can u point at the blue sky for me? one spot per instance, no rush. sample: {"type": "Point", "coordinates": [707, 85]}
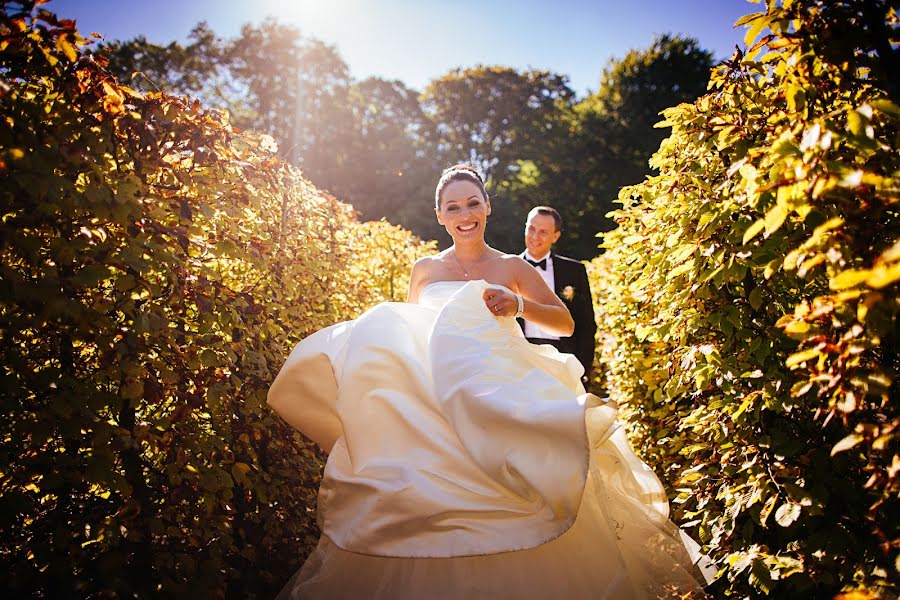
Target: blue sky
{"type": "Point", "coordinates": [416, 41]}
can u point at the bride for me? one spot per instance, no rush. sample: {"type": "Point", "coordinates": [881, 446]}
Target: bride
{"type": "Point", "coordinates": [465, 462]}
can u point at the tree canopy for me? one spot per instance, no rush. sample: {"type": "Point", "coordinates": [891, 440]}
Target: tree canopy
{"type": "Point", "coordinates": [381, 146]}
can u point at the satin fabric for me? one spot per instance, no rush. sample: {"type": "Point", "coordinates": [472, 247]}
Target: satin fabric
{"type": "Point", "coordinates": [454, 439]}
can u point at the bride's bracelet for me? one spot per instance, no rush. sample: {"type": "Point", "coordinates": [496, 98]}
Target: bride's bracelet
{"type": "Point", "coordinates": [521, 306]}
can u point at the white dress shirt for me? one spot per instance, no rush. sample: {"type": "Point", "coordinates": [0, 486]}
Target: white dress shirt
{"type": "Point", "coordinates": [531, 330]}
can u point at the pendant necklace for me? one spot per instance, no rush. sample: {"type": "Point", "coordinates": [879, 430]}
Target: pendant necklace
{"type": "Point", "coordinates": [459, 262]}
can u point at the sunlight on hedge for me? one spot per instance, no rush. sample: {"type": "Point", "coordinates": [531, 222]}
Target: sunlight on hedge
{"type": "Point", "coordinates": [157, 266]}
{"type": "Point", "coordinates": [749, 299]}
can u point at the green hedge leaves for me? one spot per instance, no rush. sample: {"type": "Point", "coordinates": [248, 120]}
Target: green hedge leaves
{"type": "Point", "coordinates": [157, 267]}
{"type": "Point", "coordinates": [749, 300]}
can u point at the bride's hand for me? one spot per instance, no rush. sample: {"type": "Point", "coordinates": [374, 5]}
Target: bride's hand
{"type": "Point", "coordinates": [500, 302]}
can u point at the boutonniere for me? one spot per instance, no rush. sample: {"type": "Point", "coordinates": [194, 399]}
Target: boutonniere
{"type": "Point", "coordinates": [568, 292]}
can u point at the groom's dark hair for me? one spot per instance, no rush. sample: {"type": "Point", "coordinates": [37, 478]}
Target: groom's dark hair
{"type": "Point", "coordinates": [547, 210]}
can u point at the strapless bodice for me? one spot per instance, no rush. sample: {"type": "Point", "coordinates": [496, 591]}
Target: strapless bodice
{"type": "Point", "coordinates": [437, 293]}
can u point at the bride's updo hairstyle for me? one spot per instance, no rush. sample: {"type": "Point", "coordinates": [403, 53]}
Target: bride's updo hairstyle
{"type": "Point", "coordinates": [458, 172]}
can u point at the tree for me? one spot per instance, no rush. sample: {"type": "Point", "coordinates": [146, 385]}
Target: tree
{"type": "Point", "coordinates": [297, 91]}
{"type": "Point", "coordinates": [270, 79]}
{"type": "Point", "coordinates": [390, 167]}
{"type": "Point", "coordinates": [634, 91]}
{"type": "Point", "coordinates": [614, 134]}
{"type": "Point", "coordinates": [177, 69]}
{"type": "Point", "coordinates": [495, 118]}
{"type": "Point", "coordinates": [523, 129]}
{"type": "Point", "coordinates": [589, 150]}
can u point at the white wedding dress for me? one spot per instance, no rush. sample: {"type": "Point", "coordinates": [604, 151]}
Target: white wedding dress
{"type": "Point", "coordinates": [466, 462]}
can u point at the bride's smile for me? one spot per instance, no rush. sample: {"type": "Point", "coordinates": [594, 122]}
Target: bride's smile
{"type": "Point", "coordinates": [463, 210]}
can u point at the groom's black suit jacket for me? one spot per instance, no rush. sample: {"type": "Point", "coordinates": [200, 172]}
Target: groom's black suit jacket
{"type": "Point", "coordinates": [570, 273]}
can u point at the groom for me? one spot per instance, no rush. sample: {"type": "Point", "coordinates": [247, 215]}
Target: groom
{"type": "Point", "coordinates": [568, 278]}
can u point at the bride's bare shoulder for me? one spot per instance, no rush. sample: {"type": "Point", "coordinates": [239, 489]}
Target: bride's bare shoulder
{"type": "Point", "coordinates": [422, 272]}
{"type": "Point", "coordinates": [432, 258]}
{"type": "Point", "coordinates": [426, 264]}
{"type": "Point", "coordinates": [513, 261]}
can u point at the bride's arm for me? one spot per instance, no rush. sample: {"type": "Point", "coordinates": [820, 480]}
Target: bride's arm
{"type": "Point", "coordinates": [542, 306]}
{"type": "Point", "coordinates": [416, 276]}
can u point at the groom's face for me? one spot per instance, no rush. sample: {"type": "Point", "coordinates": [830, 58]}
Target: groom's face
{"type": "Point", "coordinates": [540, 234]}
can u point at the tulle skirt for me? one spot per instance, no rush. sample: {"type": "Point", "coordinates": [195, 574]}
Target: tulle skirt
{"type": "Point", "coordinates": [460, 459]}
{"type": "Point", "coordinates": [619, 547]}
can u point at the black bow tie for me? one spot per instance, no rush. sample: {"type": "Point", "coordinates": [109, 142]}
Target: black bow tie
{"type": "Point", "coordinates": [542, 264]}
